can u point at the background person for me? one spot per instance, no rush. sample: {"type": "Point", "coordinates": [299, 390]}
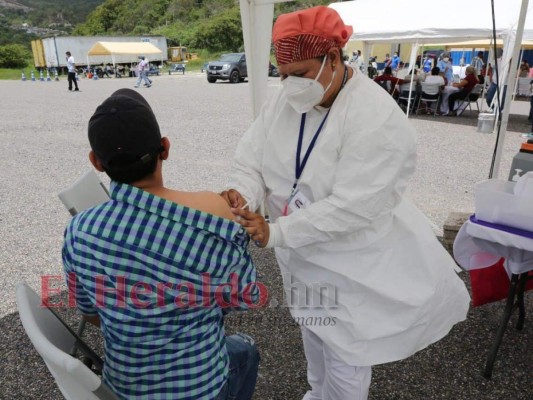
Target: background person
{"type": "Point", "coordinates": [524, 69]}
{"type": "Point", "coordinates": [338, 144]}
{"type": "Point", "coordinates": [142, 71]}
{"type": "Point", "coordinates": [71, 67]}
{"type": "Point", "coordinates": [395, 61]}
{"type": "Point", "coordinates": [479, 64]}
{"type": "Point", "coordinates": [494, 73]}
{"type": "Point", "coordinates": [164, 336]}
{"type": "Point", "coordinates": [395, 83]}
{"type": "Point", "coordinates": [358, 61]}
{"type": "Point", "coordinates": [428, 64]}
{"type": "Point", "coordinates": [446, 68]}
{"type": "Point", "coordinates": [387, 61]}
{"type": "Point", "coordinates": [465, 86]}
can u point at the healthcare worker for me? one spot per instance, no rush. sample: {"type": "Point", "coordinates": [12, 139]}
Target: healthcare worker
{"type": "Point", "coordinates": [446, 68]}
{"type": "Point", "coordinates": [332, 153]}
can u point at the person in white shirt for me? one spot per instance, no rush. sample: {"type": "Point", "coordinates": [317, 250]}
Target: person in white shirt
{"type": "Point", "coordinates": [435, 78]}
{"type": "Point", "coordinates": [71, 66]}
{"type": "Point", "coordinates": [331, 153]}
{"type": "Point", "coordinates": [142, 71]}
{"type": "Point", "coordinates": [358, 61]}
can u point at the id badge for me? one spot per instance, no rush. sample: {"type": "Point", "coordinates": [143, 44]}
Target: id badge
{"type": "Point", "coordinates": [298, 201]}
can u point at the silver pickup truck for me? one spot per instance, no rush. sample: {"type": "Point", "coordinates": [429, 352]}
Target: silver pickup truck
{"type": "Point", "coordinates": [231, 66]}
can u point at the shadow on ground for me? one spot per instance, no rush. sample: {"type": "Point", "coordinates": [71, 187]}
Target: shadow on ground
{"type": "Point", "coordinates": [449, 369]}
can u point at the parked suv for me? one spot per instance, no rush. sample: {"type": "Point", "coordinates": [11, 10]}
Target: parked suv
{"type": "Point", "coordinates": [230, 67]}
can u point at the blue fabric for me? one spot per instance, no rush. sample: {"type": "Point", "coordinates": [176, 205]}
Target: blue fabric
{"type": "Point", "coordinates": [243, 367]}
{"type": "Point", "coordinates": [500, 227]}
{"type": "Point", "coordinates": [152, 270]}
{"type": "Point", "coordinates": [427, 65]}
{"type": "Point", "coordinates": [448, 73]}
{"type": "Point", "coordinates": [395, 62]}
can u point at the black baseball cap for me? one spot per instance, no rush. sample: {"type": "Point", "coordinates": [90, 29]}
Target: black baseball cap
{"type": "Point", "coordinates": [123, 132]}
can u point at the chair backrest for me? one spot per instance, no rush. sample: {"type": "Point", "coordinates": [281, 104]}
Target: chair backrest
{"type": "Point", "coordinates": [430, 88]}
{"type": "Point", "coordinates": [476, 90]}
{"type": "Point", "coordinates": [88, 191]}
{"type": "Point", "coordinates": [53, 340]}
{"type": "Point", "coordinates": [405, 88]}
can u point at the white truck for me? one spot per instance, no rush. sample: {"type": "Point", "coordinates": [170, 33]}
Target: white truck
{"type": "Point", "coordinates": [50, 52]}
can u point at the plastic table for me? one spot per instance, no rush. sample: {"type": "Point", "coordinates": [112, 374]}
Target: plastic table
{"type": "Point", "coordinates": [480, 244]}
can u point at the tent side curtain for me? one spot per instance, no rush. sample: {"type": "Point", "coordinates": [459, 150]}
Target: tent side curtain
{"type": "Point", "coordinates": [114, 48]}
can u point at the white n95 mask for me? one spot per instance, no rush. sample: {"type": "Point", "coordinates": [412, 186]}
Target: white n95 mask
{"type": "Point", "coordinates": [305, 93]}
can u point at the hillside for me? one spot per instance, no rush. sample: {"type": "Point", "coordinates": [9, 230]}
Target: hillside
{"type": "Point", "coordinates": [214, 25]}
{"type": "Point", "coordinates": [23, 20]}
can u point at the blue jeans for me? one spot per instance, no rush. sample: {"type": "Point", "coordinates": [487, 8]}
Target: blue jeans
{"type": "Point", "coordinates": [143, 75]}
{"type": "Point", "coordinates": [243, 365]}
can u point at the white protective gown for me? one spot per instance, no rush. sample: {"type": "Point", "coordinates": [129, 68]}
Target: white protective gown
{"type": "Point", "coordinates": [394, 285]}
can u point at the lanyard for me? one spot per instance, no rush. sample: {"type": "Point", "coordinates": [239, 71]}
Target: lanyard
{"type": "Point", "coordinates": [300, 164]}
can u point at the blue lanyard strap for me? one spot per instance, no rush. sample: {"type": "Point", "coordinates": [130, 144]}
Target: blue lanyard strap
{"type": "Point", "coordinates": [300, 164]}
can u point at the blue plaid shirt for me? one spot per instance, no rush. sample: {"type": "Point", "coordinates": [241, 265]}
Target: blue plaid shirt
{"type": "Point", "coordinates": [158, 275]}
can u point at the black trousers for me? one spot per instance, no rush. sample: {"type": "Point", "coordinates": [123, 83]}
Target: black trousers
{"type": "Point", "coordinates": [461, 95]}
{"type": "Point", "coordinates": [72, 78]}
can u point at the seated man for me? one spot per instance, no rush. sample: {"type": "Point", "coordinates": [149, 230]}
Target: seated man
{"type": "Point", "coordinates": [394, 82]}
{"type": "Point", "coordinates": [157, 268]}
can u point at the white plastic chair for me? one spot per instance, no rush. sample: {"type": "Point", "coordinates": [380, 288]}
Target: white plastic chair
{"type": "Point", "coordinates": [403, 98]}
{"type": "Point", "coordinates": [53, 339]}
{"type": "Point", "coordinates": [88, 191]}
{"type": "Point", "coordinates": [430, 94]}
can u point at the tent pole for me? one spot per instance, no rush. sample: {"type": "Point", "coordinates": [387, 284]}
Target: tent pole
{"type": "Point", "coordinates": [517, 75]}
{"type": "Point", "coordinates": [412, 67]}
{"type": "Point", "coordinates": [495, 167]}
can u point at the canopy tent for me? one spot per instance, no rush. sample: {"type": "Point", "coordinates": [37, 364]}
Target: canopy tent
{"type": "Point", "coordinates": [457, 21]}
{"type": "Point", "coordinates": [113, 49]}
{"type": "Point", "coordinates": [392, 21]}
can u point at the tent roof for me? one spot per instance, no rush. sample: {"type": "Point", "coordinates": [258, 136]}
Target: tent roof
{"type": "Point", "coordinates": [113, 48]}
{"type": "Point", "coordinates": [395, 21]}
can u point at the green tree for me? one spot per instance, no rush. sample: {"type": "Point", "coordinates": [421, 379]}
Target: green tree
{"type": "Point", "coordinates": [14, 56]}
{"type": "Point", "coordinates": [220, 33]}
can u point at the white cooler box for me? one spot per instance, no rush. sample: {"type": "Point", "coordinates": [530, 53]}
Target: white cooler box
{"type": "Point", "coordinates": [496, 203]}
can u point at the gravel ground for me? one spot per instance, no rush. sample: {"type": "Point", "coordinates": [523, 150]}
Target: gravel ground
{"type": "Point", "coordinates": [45, 148]}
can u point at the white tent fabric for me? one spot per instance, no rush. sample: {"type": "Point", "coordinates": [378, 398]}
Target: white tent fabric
{"type": "Point", "coordinates": [391, 21]}
{"type": "Point", "coordinates": [395, 21]}
{"type": "Point", "coordinates": [257, 18]}
{"type": "Point", "coordinates": [377, 21]}
{"type": "Point", "coordinates": [115, 48]}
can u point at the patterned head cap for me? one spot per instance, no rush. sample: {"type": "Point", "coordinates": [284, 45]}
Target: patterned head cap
{"type": "Point", "coordinates": [310, 33]}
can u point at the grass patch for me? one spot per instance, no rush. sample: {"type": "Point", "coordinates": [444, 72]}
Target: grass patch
{"type": "Point", "coordinates": [16, 73]}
